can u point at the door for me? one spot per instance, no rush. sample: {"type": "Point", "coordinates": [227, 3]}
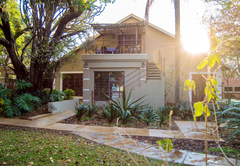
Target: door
{"type": "Point", "coordinates": [74, 82]}
{"type": "Point", "coordinates": [200, 86]}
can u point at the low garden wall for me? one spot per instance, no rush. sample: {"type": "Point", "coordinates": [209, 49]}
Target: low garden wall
{"type": "Point", "coordinates": [61, 106]}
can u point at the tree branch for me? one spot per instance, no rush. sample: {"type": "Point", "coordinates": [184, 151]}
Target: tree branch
{"type": "Point", "coordinates": [24, 48]}
{"type": "Point", "coordinates": [71, 34]}
{"type": "Point", "coordinates": [4, 42]}
{"type": "Point", "coordinates": [22, 32]}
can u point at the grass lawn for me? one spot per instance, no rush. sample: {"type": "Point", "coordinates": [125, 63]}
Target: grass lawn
{"type": "Point", "coordinates": [28, 146]}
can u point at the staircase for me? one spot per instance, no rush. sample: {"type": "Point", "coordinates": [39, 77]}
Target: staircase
{"type": "Point", "coordinates": [154, 72]}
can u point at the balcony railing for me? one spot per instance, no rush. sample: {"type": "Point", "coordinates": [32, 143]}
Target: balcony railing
{"type": "Point", "coordinates": [124, 46]}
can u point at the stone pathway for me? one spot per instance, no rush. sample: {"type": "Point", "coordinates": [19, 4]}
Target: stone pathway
{"type": "Point", "coordinates": [111, 136]}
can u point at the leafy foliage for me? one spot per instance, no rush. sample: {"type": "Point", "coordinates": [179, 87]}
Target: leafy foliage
{"type": "Point", "coordinates": [148, 116]}
{"type": "Point", "coordinates": [20, 102]}
{"type": "Point", "coordinates": [56, 95]}
{"type": "Point", "coordinates": [126, 106]}
{"type": "Point", "coordinates": [183, 109]}
{"type": "Point", "coordinates": [166, 144]}
{"type": "Point", "coordinates": [92, 109]}
{"type": "Point", "coordinates": [69, 93]}
{"type": "Point", "coordinates": [43, 95]}
{"type": "Point", "coordinates": [81, 110]}
{"type": "Point", "coordinates": [233, 118]}
{"type": "Point", "coordinates": [110, 112]}
{"type": "Point", "coordinates": [163, 114]}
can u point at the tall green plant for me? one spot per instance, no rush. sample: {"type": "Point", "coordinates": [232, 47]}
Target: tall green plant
{"type": "Point", "coordinates": [110, 112]}
{"type": "Point", "coordinates": [126, 106]}
{"type": "Point", "coordinates": [92, 109]}
{"type": "Point", "coordinates": [148, 116]}
{"type": "Point", "coordinates": [163, 114]}
{"type": "Point", "coordinates": [80, 110]}
{"type": "Point", "coordinates": [20, 102]}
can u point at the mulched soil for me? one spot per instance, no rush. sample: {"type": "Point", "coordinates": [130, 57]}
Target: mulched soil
{"type": "Point", "coordinates": [99, 120]}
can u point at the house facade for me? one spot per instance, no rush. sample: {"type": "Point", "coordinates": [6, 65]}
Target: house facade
{"type": "Point", "coordinates": [134, 55]}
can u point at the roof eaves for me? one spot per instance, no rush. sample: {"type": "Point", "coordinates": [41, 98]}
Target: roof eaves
{"type": "Point", "coordinates": [151, 25]}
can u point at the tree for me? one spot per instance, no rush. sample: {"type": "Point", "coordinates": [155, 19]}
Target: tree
{"type": "Point", "coordinates": [223, 18]}
{"type": "Point", "coordinates": [52, 24]}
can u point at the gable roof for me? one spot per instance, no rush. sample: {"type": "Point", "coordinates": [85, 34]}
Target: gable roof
{"type": "Point", "coordinates": [141, 20]}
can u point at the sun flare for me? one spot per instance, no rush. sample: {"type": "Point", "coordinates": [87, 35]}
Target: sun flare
{"type": "Point", "coordinates": [195, 42]}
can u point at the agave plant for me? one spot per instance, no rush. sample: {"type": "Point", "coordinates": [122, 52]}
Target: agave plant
{"type": "Point", "coordinates": [110, 112]}
{"type": "Point", "coordinates": [125, 108]}
{"type": "Point", "coordinates": [81, 110]}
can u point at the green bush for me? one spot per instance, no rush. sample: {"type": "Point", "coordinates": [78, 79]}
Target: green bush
{"type": "Point", "coordinates": [126, 107]}
{"type": "Point", "coordinates": [19, 102]}
{"type": "Point", "coordinates": [43, 95]}
{"type": "Point", "coordinates": [163, 114]}
{"type": "Point", "coordinates": [183, 109]}
{"type": "Point", "coordinates": [232, 116]}
{"type": "Point", "coordinates": [110, 112]}
{"type": "Point", "coordinates": [56, 95]}
{"type": "Point", "coordinates": [92, 109]}
{"type": "Point", "coordinates": [148, 116]}
{"type": "Point", "coordinates": [69, 94]}
{"type": "Point", "coordinates": [81, 110]}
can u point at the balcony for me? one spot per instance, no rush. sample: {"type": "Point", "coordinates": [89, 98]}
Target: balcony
{"type": "Point", "coordinates": [123, 38]}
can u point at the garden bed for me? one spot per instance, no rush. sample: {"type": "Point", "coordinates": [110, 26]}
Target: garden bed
{"type": "Point", "coordinates": [98, 120]}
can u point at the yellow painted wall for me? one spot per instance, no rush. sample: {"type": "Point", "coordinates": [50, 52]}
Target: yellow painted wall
{"type": "Point", "coordinates": [74, 67]}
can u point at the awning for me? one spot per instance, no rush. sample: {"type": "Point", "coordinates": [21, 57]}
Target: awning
{"type": "Point", "coordinates": [125, 28]}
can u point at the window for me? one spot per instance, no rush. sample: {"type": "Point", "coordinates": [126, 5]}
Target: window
{"type": "Point", "coordinates": [237, 89]}
{"type": "Point", "coordinates": [108, 83]}
{"type": "Point", "coordinates": [74, 82]}
{"type": "Point", "coordinates": [228, 89]}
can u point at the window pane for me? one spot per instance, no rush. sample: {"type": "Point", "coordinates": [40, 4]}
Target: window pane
{"type": "Point", "coordinates": [107, 83]}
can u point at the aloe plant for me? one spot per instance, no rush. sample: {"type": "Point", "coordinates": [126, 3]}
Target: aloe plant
{"type": "Point", "coordinates": [125, 107]}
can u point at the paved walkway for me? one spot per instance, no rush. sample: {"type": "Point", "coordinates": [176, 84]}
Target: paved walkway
{"type": "Point", "coordinates": [114, 137]}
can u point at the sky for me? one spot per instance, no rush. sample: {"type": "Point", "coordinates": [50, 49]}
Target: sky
{"type": "Point", "coordinates": [194, 34]}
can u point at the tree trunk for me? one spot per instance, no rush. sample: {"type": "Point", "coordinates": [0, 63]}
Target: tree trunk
{"type": "Point", "coordinates": [177, 49]}
{"type": "Point", "coordinates": [228, 95]}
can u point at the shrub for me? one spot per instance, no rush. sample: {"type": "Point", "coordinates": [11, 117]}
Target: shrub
{"type": "Point", "coordinates": [43, 95]}
{"type": "Point", "coordinates": [110, 112]}
{"type": "Point", "coordinates": [163, 114]}
{"type": "Point", "coordinates": [69, 94]}
{"type": "Point", "coordinates": [56, 95]}
{"type": "Point", "coordinates": [81, 110]}
{"type": "Point", "coordinates": [19, 102]}
{"type": "Point", "coordinates": [126, 106]}
{"type": "Point", "coordinates": [148, 116]}
{"type": "Point", "coordinates": [183, 109]}
{"type": "Point", "coordinates": [92, 109]}
{"type": "Point", "coordinates": [233, 118]}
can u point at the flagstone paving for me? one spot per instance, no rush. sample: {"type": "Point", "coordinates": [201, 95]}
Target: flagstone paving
{"type": "Point", "coordinates": [115, 137]}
